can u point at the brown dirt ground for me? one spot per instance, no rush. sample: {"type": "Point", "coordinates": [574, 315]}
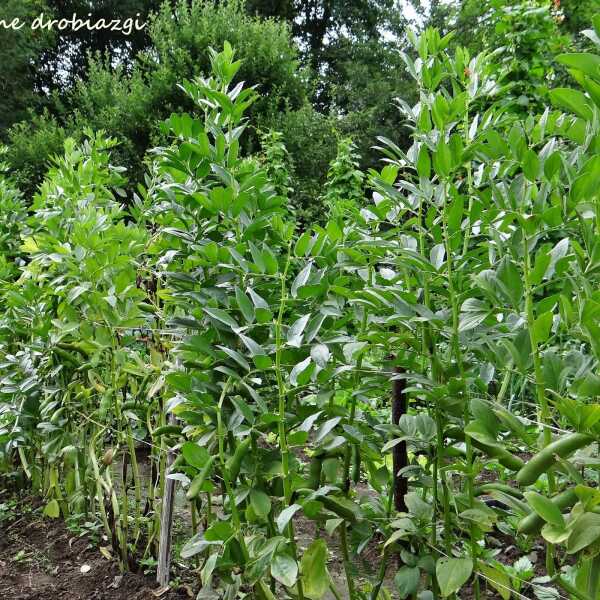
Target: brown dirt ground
{"type": "Point", "coordinates": [41, 560]}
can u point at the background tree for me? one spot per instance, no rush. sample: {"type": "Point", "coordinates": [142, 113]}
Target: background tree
{"type": "Point", "coordinates": [68, 58]}
{"type": "Point", "coordinates": [23, 73]}
{"type": "Point", "coordinates": [128, 102]}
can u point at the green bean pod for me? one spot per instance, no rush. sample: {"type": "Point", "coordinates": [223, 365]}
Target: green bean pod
{"type": "Point", "coordinates": [546, 457]}
{"type": "Point", "coordinates": [167, 430]}
{"type": "Point", "coordinates": [314, 477]}
{"type": "Point", "coordinates": [234, 462]}
{"type": "Point", "coordinates": [337, 506]}
{"type": "Point", "coordinates": [74, 347]}
{"type": "Point", "coordinates": [199, 480]}
{"type": "Point", "coordinates": [503, 456]}
{"type": "Point", "coordinates": [130, 405]}
{"type": "Point", "coordinates": [57, 415]}
{"type": "Point", "coordinates": [497, 487]}
{"type": "Point", "coordinates": [146, 307]}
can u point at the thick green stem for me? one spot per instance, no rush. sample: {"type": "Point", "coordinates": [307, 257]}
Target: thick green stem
{"type": "Point", "coordinates": [540, 387]}
{"type": "Point", "coordinates": [235, 517]}
{"type": "Point", "coordinates": [137, 485]}
{"type": "Point", "coordinates": [282, 398]}
{"type": "Point", "coordinates": [456, 350]}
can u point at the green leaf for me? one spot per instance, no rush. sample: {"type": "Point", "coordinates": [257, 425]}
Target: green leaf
{"type": "Point", "coordinates": [326, 428]}
{"type": "Point", "coordinates": [261, 503]}
{"type": "Point", "coordinates": [294, 336]}
{"type": "Point", "coordinates": [545, 508]}
{"type": "Point", "coordinates": [555, 534]}
{"type": "Point", "coordinates": [244, 305]}
{"type": "Point", "coordinates": [320, 354]}
{"type": "Point", "coordinates": [481, 518]}
{"type": "Point", "coordinates": [542, 327]}
{"type": "Point", "coordinates": [586, 62]}
{"type": "Point", "coordinates": [334, 233]}
{"type": "Point", "coordinates": [263, 315]}
{"type": "Point", "coordinates": [302, 244]}
{"type": "Point", "coordinates": [235, 355]}
{"type": "Point", "coordinates": [542, 260]}
{"type": "Point", "coordinates": [222, 316]}
{"type": "Point", "coordinates": [455, 213]}
{"type": "Point", "coordinates": [195, 455]}
{"type": "Point", "coordinates": [284, 569]}
{"type": "Point", "coordinates": [424, 163]}
{"type": "Point", "coordinates": [257, 257]}
{"type": "Point", "coordinates": [442, 159]}
{"type": "Point", "coordinates": [301, 279]}
{"type": "Point", "coordinates": [254, 348]}
{"type": "Point", "coordinates": [531, 165]}
{"type": "Point", "coordinates": [285, 515]}
{"type": "Point", "coordinates": [301, 372]}
{"type": "Point", "coordinates": [197, 544]}
{"type": "Point", "coordinates": [208, 569]}
{"type": "Point", "coordinates": [572, 100]}
{"type": "Point", "coordinates": [407, 581]}
{"type": "Point", "coordinates": [552, 164]}
{"type": "Point", "coordinates": [265, 591]}
{"type": "Point", "coordinates": [220, 531]}
{"type": "Point", "coordinates": [271, 263]}
{"type": "Point", "coordinates": [452, 574]}
{"type": "Point", "coordinates": [585, 531]}
{"type": "Point", "coordinates": [313, 566]}
{"type": "Point", "coordinates": [262, 362]}
{"type": "Point", "coordinates": [438, 253]}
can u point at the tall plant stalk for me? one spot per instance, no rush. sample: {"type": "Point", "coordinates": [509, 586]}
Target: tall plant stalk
{"type": "Point", "coordinates": [282, 405]}
{"type": "Point", "coordinates": [540, 387]}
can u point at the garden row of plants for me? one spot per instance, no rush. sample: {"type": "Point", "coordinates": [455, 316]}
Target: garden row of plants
{"type": "Point", "coordinates": [417, 374]}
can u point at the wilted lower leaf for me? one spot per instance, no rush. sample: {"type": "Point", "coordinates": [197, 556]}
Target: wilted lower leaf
{"type": "Point", "coordinates": [52, 509]}
{"type": "Point", "coordinates": [285, 569]}
{"type": "Point", "coordinates": [497, 579]}
{"type": "Point", "coordinates": [315, 577]}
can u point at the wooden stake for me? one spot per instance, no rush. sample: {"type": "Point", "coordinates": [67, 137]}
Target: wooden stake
{"type": "Point", "coordinates": [166, 523]}
{"type": "Point", "coordinates": [400, 459]}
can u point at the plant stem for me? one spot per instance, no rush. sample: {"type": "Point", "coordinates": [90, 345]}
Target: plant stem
{"type": "Point", "coordinates": [282, 398]}
{"type": "Point", "coordinates": [544, 413]}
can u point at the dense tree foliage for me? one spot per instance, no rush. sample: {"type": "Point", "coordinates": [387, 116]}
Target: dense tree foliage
{"type": "Point", "coordinates": [341, 81]}
{"type": "Point", "coordinates": [326, 70]}
{"type": "Point", "coordinates": [129, 102]}
{"type": "Point", "coordinates": [23, 72]}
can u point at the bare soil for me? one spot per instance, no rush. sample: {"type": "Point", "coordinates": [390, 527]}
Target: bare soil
{"type": "Point", "coordinates": [41, 560]}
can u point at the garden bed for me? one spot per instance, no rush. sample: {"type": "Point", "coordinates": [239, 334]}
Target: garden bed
{"type": "Point", "coordinates": [40, 559]}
